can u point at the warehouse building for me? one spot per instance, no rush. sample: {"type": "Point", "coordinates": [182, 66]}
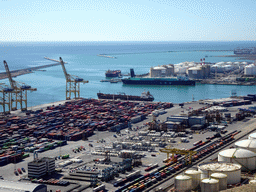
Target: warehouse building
{"type": "Point", "coordinates": [41, 167]}
{"type": "Point", "coordinates": [6, 186]}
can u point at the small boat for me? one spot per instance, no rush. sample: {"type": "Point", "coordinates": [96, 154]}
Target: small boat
{"type": "Point", "coordinates": [115, 80]}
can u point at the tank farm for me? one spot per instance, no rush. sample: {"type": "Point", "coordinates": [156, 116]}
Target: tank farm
{"type": "Point", "coordinates": [81, 119]}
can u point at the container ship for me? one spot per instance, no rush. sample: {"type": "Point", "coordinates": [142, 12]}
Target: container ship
{"type": "Point", "coordinates": [158, 81]}
{"type": "Point", "coordinates": [113, 73]}
{"type": "Point", "coordinates": [145, 96]}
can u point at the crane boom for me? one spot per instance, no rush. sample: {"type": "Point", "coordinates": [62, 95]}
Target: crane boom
{"type": "Point", "coordinates": [9, 75]}
{"type": "Point", "coordinates": [64, 69]}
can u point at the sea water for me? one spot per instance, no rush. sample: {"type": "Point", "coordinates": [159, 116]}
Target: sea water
{"type": "Point", "coordinates": [83, 61]}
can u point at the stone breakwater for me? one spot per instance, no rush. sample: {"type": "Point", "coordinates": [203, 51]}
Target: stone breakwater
{"type": "Point", "coordinates": [19, 72]}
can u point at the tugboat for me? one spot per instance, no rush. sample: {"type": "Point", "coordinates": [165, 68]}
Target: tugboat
{"type": "Point", "coordinates": [113, 73]}
{"type": "Point", "coordinates": [145, 96]}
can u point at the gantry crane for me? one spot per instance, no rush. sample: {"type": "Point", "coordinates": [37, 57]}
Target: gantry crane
{"type": "Point", "coordinates": [178, 151]}
{"type": "Point", "coordinates": [72, 83]}
{"type": "Point", "coordinates": [19, 91]}
{"type": "Point", "coordinates": [5, 97]}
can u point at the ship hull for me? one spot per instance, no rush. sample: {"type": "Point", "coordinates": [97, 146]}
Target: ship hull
{"type": "Point", "coordinates": [123, 97]}
{"type": "Point", "coordinates": [158, 82]}
{"type": "Point", "coordinates": [115, 73]}
{"type": "Point", "coordinates": [112, 74]}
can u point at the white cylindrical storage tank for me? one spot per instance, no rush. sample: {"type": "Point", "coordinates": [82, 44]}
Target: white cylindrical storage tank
{"type": "Point", "coordinates": [196, 177]}
{"type": "Point", "coordinates": [249, 144]}
{"type": "Point", "coordinates": [223, 180]}
{"type": "Point", "coordinates": [243, 157]}
{"type": "Point", "coordinates": [233, 171]}
{"type": "Point", "coordinates": [252, 136]}
{"type": "Point", "coordinates": [210, 185]}
{"type": "Point", "coordinates": [252, 181]}
{"type": "Point", "coordinates": [183, 183]}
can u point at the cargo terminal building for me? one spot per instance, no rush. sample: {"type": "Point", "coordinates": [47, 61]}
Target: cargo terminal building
{"type": "Point", "coordinates": [41, 167]}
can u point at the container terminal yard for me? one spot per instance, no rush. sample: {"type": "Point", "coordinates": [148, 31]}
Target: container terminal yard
{"type": "Point", "coordinates": [105, 145]}
{"type": "Point", "coordinates": [113, 145]}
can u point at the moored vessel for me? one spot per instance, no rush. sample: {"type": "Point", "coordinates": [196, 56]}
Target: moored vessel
{"type": "Point", "coordinates": [145, 96]}
{"type": "Point", "coordinates": [159, 81]}
{"type": "Point", "coordinates": [113, 73]}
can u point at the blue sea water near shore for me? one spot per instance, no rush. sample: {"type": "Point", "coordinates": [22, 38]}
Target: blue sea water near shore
{"type": "Point", "coordinates": [83, 61]}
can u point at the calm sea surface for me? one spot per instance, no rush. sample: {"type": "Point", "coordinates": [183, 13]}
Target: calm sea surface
{"type": "Point", "coordinates": [83, 61]}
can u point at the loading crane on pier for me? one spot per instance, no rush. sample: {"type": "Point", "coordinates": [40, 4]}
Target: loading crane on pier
{"type": "Point", "coordinates": [173, 151]}
{"type": "Point", "coordinates": [18, 92]}
{"type": "Point", "coordinates": [72, 83]}
{"type": "Point", "coordinates": [5, 98]}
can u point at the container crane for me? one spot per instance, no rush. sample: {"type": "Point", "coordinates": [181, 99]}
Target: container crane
{"type": "Point", "coordinates": [5, 98]}
{"type": "Point", "coordinates": [18, 92]}
{"type": "Point", "coordinates": [178, 151]}
{"type": "Point", "coordinates": [72, 83]}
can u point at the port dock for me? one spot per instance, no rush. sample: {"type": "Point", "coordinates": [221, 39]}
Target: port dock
{"type": "Point", "coordinates": [107, 56]}
{"type": "Point", "coordinates": [19, 72]}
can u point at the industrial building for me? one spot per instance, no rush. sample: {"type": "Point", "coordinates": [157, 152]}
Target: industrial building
{"type": "Point", "coordinates": [41, 167]}
{"type": "Point", "coordinates": [6, 186]}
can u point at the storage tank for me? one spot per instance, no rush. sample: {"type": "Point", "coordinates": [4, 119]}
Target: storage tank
{"type": "Point", "coordinates": [252, 136]}
{"type": "Point", "coordinates": [169, 69]}
{"type": "Point", "coordinates": [249, 144]}
{"type": "Point", "coordinates": [233, 171]}
{"type": "Point", "coordinates": [243, 157]}
{"type": "Point", "coordinates": [195, 73]}
{"type": "Point", "coordinates": [196, 177]}
{"type": "Point", "coordinates": [223, 180]}
{"type": "Point", "coordinates": [183, 183]}
{"type": "Point", "coordinates": [210, 185]}
{"type": "Point", "coordinates": [250, 70]}
{"type": "Point", "coordinates": [252, 181]}
{"type": "Point", "coordinates": [158, 71]}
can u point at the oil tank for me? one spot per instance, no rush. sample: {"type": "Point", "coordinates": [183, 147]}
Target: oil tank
{"type": "Point", "coordinates": [252, 181]}
{"type": "Point", "coordinates": [183, 183]}
{"type": "Point", "coordinates": [243, 157]}
{"type": "Point", "coordinates": [210, 185]}
{"type": "Point", "coordinates": [223, 180]}
{"type": "Point", "coordinates": [252, 136]}
{"type": "Point", "coordinates": [249, 144]}
{"type": "Point", "coordinates": [232, 170]}
{"type": "Point", "coordinates": [196, 177]}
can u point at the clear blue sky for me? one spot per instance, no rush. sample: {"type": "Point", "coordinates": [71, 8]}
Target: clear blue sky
{"type": "Point", "coordinates": [131, 20]}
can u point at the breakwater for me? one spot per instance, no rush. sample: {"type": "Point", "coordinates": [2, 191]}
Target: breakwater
{"type": "Point", "coordinates": [19, 72]}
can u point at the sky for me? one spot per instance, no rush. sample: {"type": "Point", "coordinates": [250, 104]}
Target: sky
{"type": "Point", "coordinates": [127, 20]}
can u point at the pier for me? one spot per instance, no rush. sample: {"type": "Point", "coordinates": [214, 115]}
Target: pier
{"type": "Point", "coordinates": [55, 60]}
{"type": "Point", "coordinates": [19, 72]}
{"type": "Point", "coordinates": [107, 56]}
